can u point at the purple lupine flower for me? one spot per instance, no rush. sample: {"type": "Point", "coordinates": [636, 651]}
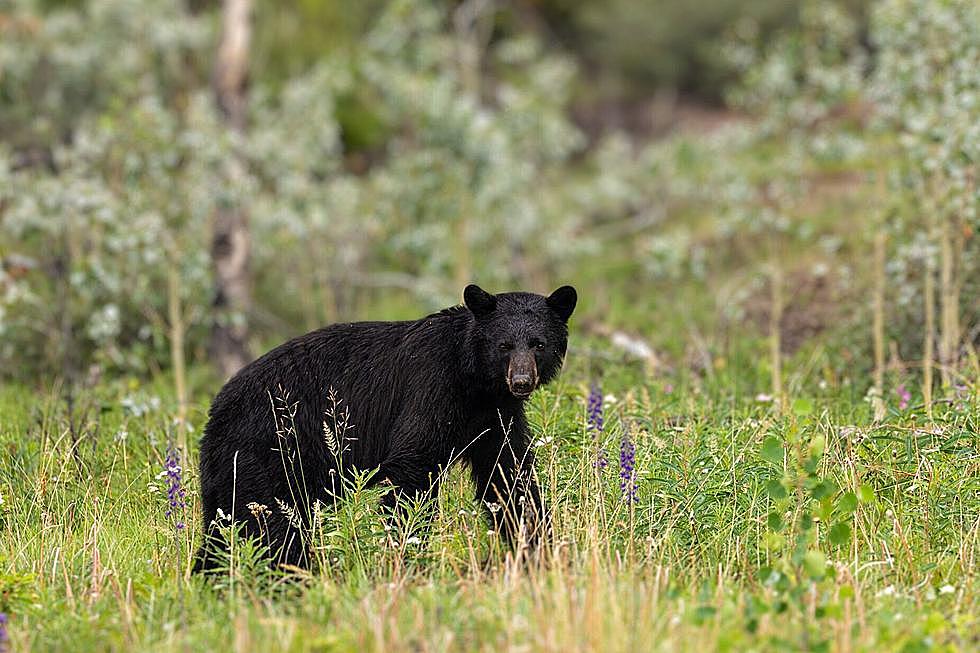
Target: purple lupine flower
{"type": "Point", "coordinates": [627, 468]}
{"type": "Point", "coordinates": [596, 422]}
{"type": "Point", "coordinates": [904, 396]}
{"type": "Point", "coordinates": [4, 636]}
{"type": "Point", "coordinates": [175, 488]}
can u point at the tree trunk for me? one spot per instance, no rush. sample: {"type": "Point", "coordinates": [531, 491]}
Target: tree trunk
{"type": "Point", "coordinates": [949, 308]}
{"type": "Point", "coordinates": [230, 242]}
{"type": "Point", "coordinates": [473, 24]}
{"type": "Point", "coordinates": [930, 319]}
{"type": "Point", "coordinates": [775, 334]}
{"type": "Point", "coordinates": [878, 330]}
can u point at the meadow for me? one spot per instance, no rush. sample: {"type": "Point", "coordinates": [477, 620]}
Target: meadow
{"type": "Point", "coordinates": [764, 438]}
{"type": "Point", "coordinates": [689, 515]}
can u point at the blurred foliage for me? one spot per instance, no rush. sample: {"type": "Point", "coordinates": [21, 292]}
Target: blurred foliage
{"type": "Point", "coordinates": [396, 152]}
{"type": "Point", "coordinates": [670, 43]}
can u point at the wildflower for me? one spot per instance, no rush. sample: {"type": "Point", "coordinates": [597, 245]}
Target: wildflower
{"type": "Point", "coordinates": [596, 422]}
{"type": "Point", "coordinates": [175, 488]}
{"type": "Point", "coordinates": [904, 396]}
{"type": "Point", "coordinates": [627, 468]}
{"type": "Point", "coordinates": [947, 589]}
{"type": "Point", "coordinates": [668, 388]}
{"type": "Point", "coordinates": [220, 516]}
{"type": "Point", "coordinates": [259, 510]}
{"type": "Point", "coordinates": [763, 398]}
{"type": "Point", "coordinates": [4, 637]}
{"type": "Point", "coordinates": [872, 394]}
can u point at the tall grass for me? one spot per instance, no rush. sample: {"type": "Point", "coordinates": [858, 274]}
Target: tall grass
{"type": "Point", "coordinates": [90, 561]}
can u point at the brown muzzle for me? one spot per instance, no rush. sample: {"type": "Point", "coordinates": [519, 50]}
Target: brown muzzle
{"type": "Point", "coordinates": [522, 374]}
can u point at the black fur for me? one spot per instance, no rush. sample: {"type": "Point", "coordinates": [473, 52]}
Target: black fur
{"type": "Point", "coordinates": [421, 395]}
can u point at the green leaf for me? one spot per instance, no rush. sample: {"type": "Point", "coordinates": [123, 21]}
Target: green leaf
{"type": "Point", "coordinates": [802, 407]}
{"type": "Point", "coordinates": [817, 446]}
{"type": "Point", "coordinates": [776, 489]}
{"type": "Point", "coordinates": [823, 489]}
{"type": "Point", "coordinates": [772, 450]}
{"type": "Point", "coordinates": [866, 493]}
{"type": "Point", "coordinates": [840, 533]}
{"type": "Point", "coordinates": [815, 564]}
{"type": "Point", "coordinates": [774, 541]}
{"type": "Point", "coordinates": [806, 521]}
{"type": "Point", "coordinates": [775, 521]}
{"type": "Point", "coordinates": [825, 509]}
{"type": "Point", "coordinates": [848, 502]}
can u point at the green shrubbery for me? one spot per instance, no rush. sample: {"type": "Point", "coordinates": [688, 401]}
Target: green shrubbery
{"type": "Point", "coordinates": [394, 169]}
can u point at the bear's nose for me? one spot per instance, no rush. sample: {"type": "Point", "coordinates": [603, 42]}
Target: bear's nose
{"type": "Point", "coordinates": [522, 383]}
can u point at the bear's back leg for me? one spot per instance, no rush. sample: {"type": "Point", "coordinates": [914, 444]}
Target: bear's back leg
{"type": "Point", "coordinates": [263, 503]}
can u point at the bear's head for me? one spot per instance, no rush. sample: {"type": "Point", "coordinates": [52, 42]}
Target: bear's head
{"type": "Point", "coordinates": [520, 338]}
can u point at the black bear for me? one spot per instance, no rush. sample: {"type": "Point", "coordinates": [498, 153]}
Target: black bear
{"type": "Point", "coordinates": [419, 394]}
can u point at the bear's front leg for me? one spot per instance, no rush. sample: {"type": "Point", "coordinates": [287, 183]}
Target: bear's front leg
{"type": "Point", "coordinates": [415, 486]}
{"type": "Point", "coordinates": [503, 471]}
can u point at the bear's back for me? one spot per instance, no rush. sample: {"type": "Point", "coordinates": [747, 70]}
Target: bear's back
{"type": "Point", "coordinates": [368, 366]}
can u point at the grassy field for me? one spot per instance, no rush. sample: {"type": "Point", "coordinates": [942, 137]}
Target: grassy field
{"type": "Point", "coordinates": [755, 527]}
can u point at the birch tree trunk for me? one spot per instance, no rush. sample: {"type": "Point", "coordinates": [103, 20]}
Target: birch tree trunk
{"type": "Point", "coordinates": [230, 243]}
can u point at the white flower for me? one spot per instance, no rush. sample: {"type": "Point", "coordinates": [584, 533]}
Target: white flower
{"type": "Point", "coordinates": [947, 589]}
{"type": "Point", "coordinates": [888, 591]}
{"type": "Point", "coordinates": [763, 398]}
{"type": "Point", "coordinates": [540, 442]}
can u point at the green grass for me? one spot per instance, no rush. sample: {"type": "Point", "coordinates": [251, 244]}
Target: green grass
{"type": "Point", "coordinates": [714, 556]}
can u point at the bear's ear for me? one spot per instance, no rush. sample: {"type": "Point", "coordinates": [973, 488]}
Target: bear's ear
{"type": "Point", "coordinates": [478, 300]}
{"type": "Point", "coordinates": [562, 302]}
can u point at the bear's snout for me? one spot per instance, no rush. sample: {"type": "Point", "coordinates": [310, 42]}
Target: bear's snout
{"type": "Point", "coordinates": [522, 374]}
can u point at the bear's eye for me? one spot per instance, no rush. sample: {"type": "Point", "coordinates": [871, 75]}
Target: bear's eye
{"type": "Point", "coordinates": [505, 346]}
{"type": "Point", "coordinates": [538, 344]}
